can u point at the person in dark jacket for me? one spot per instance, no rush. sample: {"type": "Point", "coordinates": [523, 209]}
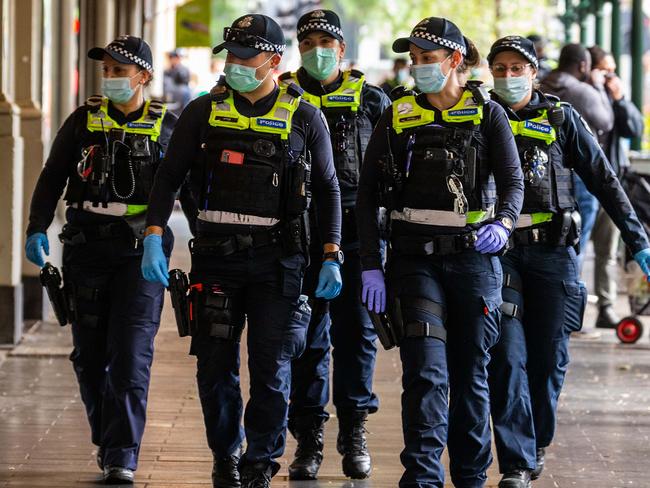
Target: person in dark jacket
{"type": "Point", "coordinates": [543, 299]}
{"type": "Point", "coordinates": [255, 153]}
{"type": "Point", "coordinates": [574, 82]}
{"type": "Point", "coordinates": [628, 123]}
{"type": "Point", "coordinates": [445, 166]}
{"type": "Point", "coordinates": [107, 153]}
{"type": "Point", "coordinates": [352, 107]}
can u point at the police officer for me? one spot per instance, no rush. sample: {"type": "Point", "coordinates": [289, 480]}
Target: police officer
{"type": "Point", "coordinates": [544, 300]}
{"type": "Point", "coordinates": [249, 148]}
{"type": "Point", "coordinates": [107, 153]}
{"type": "Point", "coordinates": [438, 161]}
{"type": "Point", "coordinates": [352, 107]}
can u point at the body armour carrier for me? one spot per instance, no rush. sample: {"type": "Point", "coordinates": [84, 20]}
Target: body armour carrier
{"type": "Point", "coordinates": [444, 168]}
{"type": "Point", "coordinates": [248, 166]}
{"type": "Point", "coordinates": [548, 182]}
{"type": "Point", "coordinates": [118, 163]}
{"type": "Point", "coordinates": [350, 127]}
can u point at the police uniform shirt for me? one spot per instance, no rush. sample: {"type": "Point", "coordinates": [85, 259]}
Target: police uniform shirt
{"type": "Point", "coordinates": [62, 164]}
{"type": "Point", "coordinates": [505, 166]}
{"type": "Point", "coordinates": [583, 153]}
{"type": "Point", "coordinates": [307, 126]}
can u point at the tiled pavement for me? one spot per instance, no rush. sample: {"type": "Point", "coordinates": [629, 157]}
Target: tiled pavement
{"type": "Point", "coordinates": [603, 436]}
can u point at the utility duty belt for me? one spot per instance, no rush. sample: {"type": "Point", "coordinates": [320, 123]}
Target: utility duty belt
{"type": "Point", "coordinates": [293, 236]}
{"type": "Point", "coordinates": [563, 230]}
{"type": "Point", "coordinates": [130, 228]}
{"type": "Point", "coordinates": [440, 245]}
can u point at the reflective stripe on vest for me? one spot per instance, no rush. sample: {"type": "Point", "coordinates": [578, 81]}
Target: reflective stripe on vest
{"type": "Point", "coordinates": [276, 121]}
{"type": "Point", "coordinates": [116, 209]}
{"type": "Point", "coordinates": [441, 217]}
{"type": "Point", "coordinates": [148, 124]}
{"type": "Point", "coordinates": [348, 95]}
{"type": "Point", "coordinates": [407, 113]}
{"type": "Point", "coordinates": [222, 217]}
{"type": "Point", "coordinates": [528, 220]}
{"type": "Point", "coordinates": [537, 128]}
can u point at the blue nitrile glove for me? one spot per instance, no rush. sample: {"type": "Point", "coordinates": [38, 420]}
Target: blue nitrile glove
{"type": "Point", "coordinates": [329, 281]}
{"type": "Point", "coordinates": [33, 246]}
{"type": "Point", "coordinates": [154, 262]}
{"type": "Point", "coordinates": [491, 238]}
{"type": "Point", "coordinates": [643, 258]}
{"type": "Point", "coordinates": [373, 290]}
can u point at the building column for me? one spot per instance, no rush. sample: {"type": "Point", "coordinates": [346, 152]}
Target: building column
{"type": "Point", "coordinates": [27, 80]}
{"type": "Point", "coordinates": [637, 61]}
{"type": "Point", "coordinates": [11, 186]}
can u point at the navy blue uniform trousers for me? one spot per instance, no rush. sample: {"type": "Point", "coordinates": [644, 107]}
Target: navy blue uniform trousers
{"type": "Point", "coordinates": [343, 323]}
{"type": "Point", "coordinates": [115, 319]}
{"type": "Point", "coordinates": [530, 361]}
{"type": "Point", "coordinates": [266, 289]}
{"type": "Point", "coordinates": [468, 287]}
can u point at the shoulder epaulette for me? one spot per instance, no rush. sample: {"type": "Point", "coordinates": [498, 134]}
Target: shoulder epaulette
{"type": "Point", "coordinates": [156, 108]}
{"type": "Point", "coordinates": [294, 90]}
{"type": "Point", "coordinates": [219, 92]}
{"type": "Point", "coordinates": [94, 102]}
{"type": "Point", "coordinates": [285, 76]}
{"type": "Point", "coordinates": [399, 92]}
{"type": "Point", "coordinates": [356, 73]}
{"type": "Point", "coordinates": [479, 92]}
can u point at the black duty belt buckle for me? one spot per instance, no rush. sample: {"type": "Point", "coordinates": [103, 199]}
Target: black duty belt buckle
{"type": "Point", "coordinates": [469, 240]}
{"type": "Point", "coordinates": [244, 241]}
{"type": "Point", "coordinates": [67, 237]}
{"type": "Point", "coordinates": [535, 235]}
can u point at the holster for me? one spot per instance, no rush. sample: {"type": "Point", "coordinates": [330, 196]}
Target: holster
{"type": "Point", "coordinates": [178, 288]}
{"type": "Point", "coordinates": [53, 284]}
{"type": "Point", "coordinates": [387, 332]}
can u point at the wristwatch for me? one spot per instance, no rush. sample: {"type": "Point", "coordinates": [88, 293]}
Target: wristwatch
{"type": "Point", "coordinates": [337, 256]}
{"type": "Point", "coordinates": [506, 222]}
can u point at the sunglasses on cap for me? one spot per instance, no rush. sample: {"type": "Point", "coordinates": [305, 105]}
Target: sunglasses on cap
{"type": "Point", "coordinates": [240, 36]}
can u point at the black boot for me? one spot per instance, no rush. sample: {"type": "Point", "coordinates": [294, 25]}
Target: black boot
{"type": "Point", "coordinates": [308, 431]}
{"type": "Point", "coordinates": [256, 475]}
{"type": "Point", "coordinates": [517, 478]}
{"type": "Point", "coordinates": [351, 444]}
{"type": "Point", "coordinates": [225, 472]}
{"type": "Point", "coordinates": [607, 318]}
{"type": "Point", "coordinates": [537, 472]}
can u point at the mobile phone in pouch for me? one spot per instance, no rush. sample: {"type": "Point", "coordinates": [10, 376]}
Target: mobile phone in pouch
{"type": "Point", "coordinates": [231, 157]}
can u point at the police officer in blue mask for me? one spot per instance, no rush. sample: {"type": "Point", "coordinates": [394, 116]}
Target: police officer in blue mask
{"type": "Point", "coordinates": [352, 107]}
{"type": "Point", "coordinates": [107, 153]}
{"type": "Point", "coordinates": [544, 300]}
{"type": "Point", "coordinates": [255, 153]}
{"type": "Point", "coordinates": [445, 166]}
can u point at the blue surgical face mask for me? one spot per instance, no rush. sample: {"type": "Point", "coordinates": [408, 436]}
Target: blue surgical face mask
{"type": "Point", "coordinates": [118, 90]}
{"type": "Point", "coordinates": [512, 89]}
{"type": "Point", "coordinates": [243, 78]}
{"type": "Point", "coordinates": [402, 75]}
{"type": "Point", "coordinates": [320, 62]}
{"type": "Point", "coordinates": [429, 78]}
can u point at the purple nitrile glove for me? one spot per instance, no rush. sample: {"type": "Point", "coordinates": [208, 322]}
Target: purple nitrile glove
{"type": "Point", "coordinates": [491, 238]}
{"type": "Point", "coordinates": [373, 291]}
